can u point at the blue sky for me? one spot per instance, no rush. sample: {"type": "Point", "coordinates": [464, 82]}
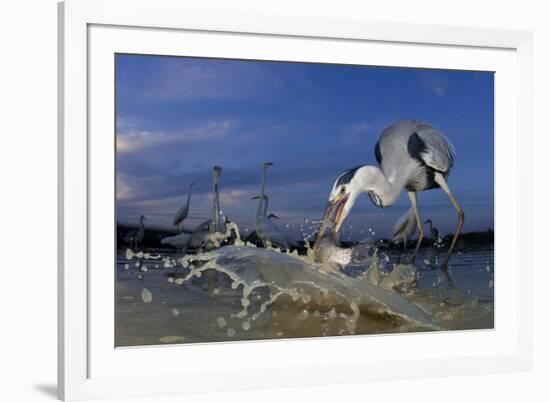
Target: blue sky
{"type": "Point", "coordinates": [177, 117]}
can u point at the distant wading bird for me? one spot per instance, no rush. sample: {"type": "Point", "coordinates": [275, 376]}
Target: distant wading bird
{"type": "Point", "coordinates": [412, 155]}
{"type": "Point", "coordinates": [133, 238]}
{"type": "Point", "coordinates": [434, 236]}
{"type": "Point", "coordinates": [434, 233]}
{"type": "Point", "coordinates": [183, 212]}
{"type": "Point", "coordinates": [181, 239]}
{"type": "Point", "coordinates": [267, 231]}
{"type": "Point", "coordinates": [202, 234]}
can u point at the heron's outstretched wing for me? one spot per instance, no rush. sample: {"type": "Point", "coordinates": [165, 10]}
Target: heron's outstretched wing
{"type": "Point", "coordinates": [432, 147]}
{"type": "Point", "coordinates": [405, 226]}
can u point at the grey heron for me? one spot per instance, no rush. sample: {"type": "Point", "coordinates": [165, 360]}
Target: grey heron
{"type": "Point", "coordinates": [215, 227]}
{"type": "Point", "coordinates": [202, 234]}
{"type": "Point", "coordinates": [412, 155]}
{"type": "Point", "coordinates": [135, 237]}
{"type": "Point", "coordinates": [434, 236]}
{"type": "Point", "coordinates": [258, 218]}
{"type": "Point", "coordinates": [183, 212]}
{"type": "Point", "coordinates": [434, 233]}
{"type": "Point", "coordinates": [266, 230]}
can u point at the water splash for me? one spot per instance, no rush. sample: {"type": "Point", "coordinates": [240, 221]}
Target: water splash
{"type": "Point", "coordinates": [284, 275]}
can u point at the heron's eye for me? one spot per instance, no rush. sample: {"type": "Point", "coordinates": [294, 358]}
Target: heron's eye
{"type": "Point", "coordinates": [343, 190]}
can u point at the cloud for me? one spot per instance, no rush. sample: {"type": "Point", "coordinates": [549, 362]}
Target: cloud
{"type": "Point", "coordinates": [124, 190]}
{"type": "Point", "coordinates": [187, 79]}
{"type": "Point", "coordinates": [439, 90]}
{"type": "Point", "coordinates": [433, 83]}
{"type": "Point", "coordinates": [356, 132]}
{"type": "Point", "coordinates": [131, 139]}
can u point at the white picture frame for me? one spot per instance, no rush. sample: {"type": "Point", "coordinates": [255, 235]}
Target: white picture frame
{"type": "Point", "coordinates": [89, 368]}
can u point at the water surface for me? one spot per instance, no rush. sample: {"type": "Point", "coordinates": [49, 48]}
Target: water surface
{"type": "Point", "coordinates": [244, 293]}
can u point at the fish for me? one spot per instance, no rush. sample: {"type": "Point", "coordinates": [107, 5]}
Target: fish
{"type": "Point", "coordinates": [327, 250]}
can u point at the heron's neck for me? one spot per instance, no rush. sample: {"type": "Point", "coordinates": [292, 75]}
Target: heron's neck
{"type": "Point", "coordinates": [216, 207]}
{"type": "Point", "coordinates": [263, 181]}
{"type": "Point", "coordinates": [371, 178]}
{"type": "Point", "coordinates": [258, 219]}
{"type": "Point", "coordinates": [189, 196]}
{"type": "Point", "coordinates": [266, 203]}
{"type": "Point", "coordinates": [141, 226]}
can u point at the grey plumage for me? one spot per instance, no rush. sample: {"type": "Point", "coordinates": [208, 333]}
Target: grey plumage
{"type": "Point", "coordinates": [416, 149]}
{"type": "Point", "coordinates": [412, 155]}
{"type": "Point", "coordinates": [427, 151]}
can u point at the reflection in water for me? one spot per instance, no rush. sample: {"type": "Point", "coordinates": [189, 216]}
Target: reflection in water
{"type": "Point", "coordinates": [240, 292]}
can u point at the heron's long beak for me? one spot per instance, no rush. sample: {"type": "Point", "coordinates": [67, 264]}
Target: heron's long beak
{"type": "Point", "coordinates": [333, 216]}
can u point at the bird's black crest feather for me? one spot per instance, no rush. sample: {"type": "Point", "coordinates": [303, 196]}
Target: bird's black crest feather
{"type": "Point", "coordinates": [346, 177]}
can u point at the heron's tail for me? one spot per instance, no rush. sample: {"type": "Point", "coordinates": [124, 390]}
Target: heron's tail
{"type": "Point", "coordinates": [405, 226]}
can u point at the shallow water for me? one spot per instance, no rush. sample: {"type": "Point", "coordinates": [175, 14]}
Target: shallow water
{"type": "Point", "coordinates": [244, 293]}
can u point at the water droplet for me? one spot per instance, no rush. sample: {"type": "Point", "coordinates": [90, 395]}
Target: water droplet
{"type": "Point", "coordinates": [221, 322]}
{"type": "Point", "coordinates": [172, 339]}
{"type": "Point", "coordinates": [231, 332]}
{"type": "Point", "coordinates": [304, 314]}
{"type": "Point", "coordinates": [175, 312]}
{"type": "Point", "coordinates": [146, 295]}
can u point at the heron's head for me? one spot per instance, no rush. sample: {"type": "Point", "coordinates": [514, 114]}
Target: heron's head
{"type": "Point", "coordinates": [345, 190]}
{"type": "Point", "coordinates": [267, 164]}
{"type": "Point", "coordinates": [340, 201]}
{"type": "Point", "coordinates": [272, 215]}
{"type": "Point", "coordinates": [217, 171]}
{"type": "Point", "coordinates": [192, 184]}
{"type": "Point", "coordinates": [142, 218]}
{"type": "Point", "coordinates": [428, 222]}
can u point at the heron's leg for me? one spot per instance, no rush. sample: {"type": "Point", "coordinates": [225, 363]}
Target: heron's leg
{"type": "Point", "coordinates": [412, 197]}
{"type": "Point", "coordinates": [439, 179]}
